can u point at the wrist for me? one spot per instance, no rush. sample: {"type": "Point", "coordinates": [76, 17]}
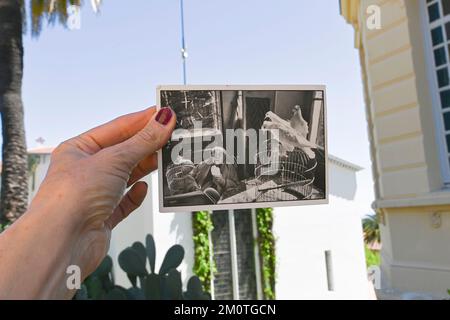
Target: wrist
{"type": "Point", "coordinates": [53, 228]}
{"type": "Point", "coordinates": [55, 205]}
{"type": "Point", "coordinates": [39, 271]}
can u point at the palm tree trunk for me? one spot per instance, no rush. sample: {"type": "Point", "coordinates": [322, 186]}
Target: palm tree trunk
{"type": "Point", "coordinates": [14, 183]}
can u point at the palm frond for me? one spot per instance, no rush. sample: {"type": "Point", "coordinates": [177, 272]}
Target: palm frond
{"type": "Point", "coordinates": [371, 229]}
{"type": "Point", "coordinates": [37, 11]}
{"type": "Point", "coordinates": [52, 11]}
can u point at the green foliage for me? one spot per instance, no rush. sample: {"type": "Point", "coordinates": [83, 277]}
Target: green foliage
{"type": "Point", "coordinates": [33, 162]}
{"type": "Point", "coordinates": [371, 229]}
{"type": "Point", "coordinates": [52, 11]}
{"type": "Point", "coordinates": [4, 226]}
{"type": "Point", "coordinates": [372, 257]}
{"type": "Point", "coordinates": [166, 285]}
{"type": "Point", "coordinates": [204, 265]}
{"type": "Point", "coordinates": [266, 243]}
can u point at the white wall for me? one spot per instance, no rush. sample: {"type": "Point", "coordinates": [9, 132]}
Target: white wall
{"type": "Point", "coordinates": [341, 181]}
{"type": "Point", "coordinates": [39, 174]}
{"type": "Point", "coordinates": [303, 234]}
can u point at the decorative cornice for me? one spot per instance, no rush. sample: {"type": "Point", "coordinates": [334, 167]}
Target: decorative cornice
{"type": "Point", "coordinates": [344, 164]}
{"type": "Point", "coordinates": [350, 11]}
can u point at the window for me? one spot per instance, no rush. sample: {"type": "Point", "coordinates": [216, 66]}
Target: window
{"type": "Point", "coordinates": [329, 270]}
{"type": "Point", "coordinates": [235, 255]}
{"type": "Point", "coordinates": [437, 26]}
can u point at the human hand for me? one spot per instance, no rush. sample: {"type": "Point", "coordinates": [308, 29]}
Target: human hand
{"type": "Point", "coordinates": [217, 176]}
{"type": "Point", "coordinates": [215, 171]}
{"type": "Point", "coordinates": [82, 197]}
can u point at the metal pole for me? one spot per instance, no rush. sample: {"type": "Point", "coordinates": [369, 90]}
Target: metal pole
{"type": "Point", "coordinates": [233, 251]}
{"type": "Point", "coordinates": [184, 53]}
{"type": "Point", "coordinates": [259, 289]}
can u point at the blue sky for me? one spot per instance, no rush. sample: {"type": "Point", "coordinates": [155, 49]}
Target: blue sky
{"type": "Point", "coordinates": [75, 80]}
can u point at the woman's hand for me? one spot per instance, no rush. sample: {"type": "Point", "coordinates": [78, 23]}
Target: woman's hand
{"type": "Point", "coordinates": [219, 181]}
{"type": "Point", "coordinates": [81, 200]}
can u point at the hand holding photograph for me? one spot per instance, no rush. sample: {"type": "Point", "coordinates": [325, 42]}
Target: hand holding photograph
{"type": "Point", "coordinates": [243, 147]}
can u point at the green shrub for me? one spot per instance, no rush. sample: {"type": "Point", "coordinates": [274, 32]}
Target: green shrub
{"type": "Point", "coordinates": [371, 229]}
{"type": "Point", "coordinates": [372, 257]}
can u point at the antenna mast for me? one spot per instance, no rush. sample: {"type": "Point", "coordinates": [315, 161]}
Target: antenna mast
{"type": "Point", "coordinates": [184, 53]}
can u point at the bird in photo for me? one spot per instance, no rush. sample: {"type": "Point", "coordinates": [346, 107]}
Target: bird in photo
{"type": "Point", "coordinates": [291, 134]}
{"type": "Point", "coordinates": [298, 123]}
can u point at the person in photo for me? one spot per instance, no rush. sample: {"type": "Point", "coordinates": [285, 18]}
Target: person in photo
{"type": "Point", "coordinates": [217, 178]}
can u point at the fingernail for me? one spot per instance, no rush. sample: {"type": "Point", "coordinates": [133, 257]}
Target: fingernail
{"type": "Point", "coordinates": [164, 115]}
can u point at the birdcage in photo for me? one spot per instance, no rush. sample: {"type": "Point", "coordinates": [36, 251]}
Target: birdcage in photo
{"type": "Point", "coordinates": [191, 106]}
{"type": "Point", "coordinates": [289, 177]}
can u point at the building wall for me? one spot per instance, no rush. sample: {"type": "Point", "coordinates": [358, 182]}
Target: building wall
{"type": "Point", "coordinates": [393, 73]}
{"type": "Point", "coordinates": [303, 235]}
{"type": "Point", "coordinates": [405, 155]}
{"type": "Point", "coordinates": [38, 175]}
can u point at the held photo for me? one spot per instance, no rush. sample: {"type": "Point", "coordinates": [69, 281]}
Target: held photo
{"type": "Point", "coordinates": [243, 147]}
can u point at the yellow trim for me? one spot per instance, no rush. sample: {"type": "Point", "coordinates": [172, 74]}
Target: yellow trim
{"type": "Point", "coordinates": [390, 82]}
{"type": "Point", "coordinates": [404, 167]}
{"type": "Point", "coordinates": [386, 28]}
{"type": "Point", "coordinates": [398, 197]}
{"type": "Point", "coordinates": [350, 10]}
{"type": "Point", "coordinates": [397, 109]}
{"type": "Point", "coordinates": [401, 137]}
{"type": "Point", "coordinates": [390, 54]}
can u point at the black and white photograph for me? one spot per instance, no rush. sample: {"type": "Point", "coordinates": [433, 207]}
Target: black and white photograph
{"type": "Point", "coordinates": [243, 147]}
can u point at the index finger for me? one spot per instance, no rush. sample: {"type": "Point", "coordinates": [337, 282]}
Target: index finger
{"type": "Point", "coordinates": [117, 130]}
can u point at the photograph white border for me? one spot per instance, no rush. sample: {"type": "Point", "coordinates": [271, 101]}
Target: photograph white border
{"type": "Point", "coordinates": [249, 205]}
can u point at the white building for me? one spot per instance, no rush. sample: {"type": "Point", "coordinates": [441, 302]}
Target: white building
{"type": "Point", "coordinates": [319, 249]}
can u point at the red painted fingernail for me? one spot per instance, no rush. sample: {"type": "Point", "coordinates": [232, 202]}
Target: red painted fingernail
{"type": "Point", "coordinates": [164, 115]}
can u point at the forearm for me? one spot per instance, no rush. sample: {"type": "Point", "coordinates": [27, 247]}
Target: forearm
{"type": "Point", "coordinates": [35, 253]}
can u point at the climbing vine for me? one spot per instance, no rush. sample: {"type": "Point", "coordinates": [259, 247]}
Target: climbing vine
{"type": "Point", "coordinates": [3, 227]}
{"type": "Point", "coordinates": [203, 265]}
{"type": "Point", "coordinates": [266, 244]}
{"type": "Point", "coordinates": [33, 162]}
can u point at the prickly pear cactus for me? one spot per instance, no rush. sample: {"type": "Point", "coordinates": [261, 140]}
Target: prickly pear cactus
{"type": "Point", "coordinates": [146, 284]}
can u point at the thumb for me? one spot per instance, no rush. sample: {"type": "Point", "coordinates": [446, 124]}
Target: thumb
{"type": "Point", "coordinates": [149, 140]}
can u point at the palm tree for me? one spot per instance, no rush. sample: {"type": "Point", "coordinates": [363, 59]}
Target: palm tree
{"type": "Point", "coordinates": [14, 182]}
{"type": "Point", "coordinates": [371, 229]}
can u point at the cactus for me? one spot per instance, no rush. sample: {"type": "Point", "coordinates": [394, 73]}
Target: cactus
{"type": "Point", "coordinates": [165, 285]}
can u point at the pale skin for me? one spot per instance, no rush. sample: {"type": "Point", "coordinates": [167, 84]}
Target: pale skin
{"type": "Point", "coordinates": [79, 203]}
